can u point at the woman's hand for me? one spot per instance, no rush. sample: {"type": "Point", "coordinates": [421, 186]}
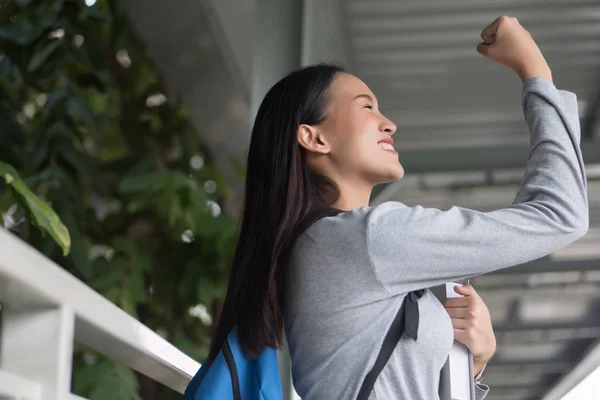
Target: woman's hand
{"type": "Point", "coordinates": [508, 43]}
{"type": "Point", "coordinates": [472, 325]}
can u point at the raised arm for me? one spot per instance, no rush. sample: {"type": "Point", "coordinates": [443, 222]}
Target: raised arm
{"type": "Point", "coordinates": [549, 211]}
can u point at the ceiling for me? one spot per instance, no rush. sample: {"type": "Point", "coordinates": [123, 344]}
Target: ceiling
{"type": "Point", "coordinates": [463, 141]}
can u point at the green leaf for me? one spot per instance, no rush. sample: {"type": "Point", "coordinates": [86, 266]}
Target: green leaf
{"type": "Point", "coordinates": [86, 378]}
{"type": "Point", "coordinates": [6, 67]}
{"type": "Point", "coordinates": [79, 252]}
{"type": "Point", "coordinates": [53, 100]}
{"type": "Point", "coordinates": [128, 304]}
{"type": "Point", "coordinates": [144, 182]}
{"type": "Point", "coordinates": [109, 274]}
{"type": "Point", "coordinates": [42, 215]}
{"type": "Point", "coordinates": [207, 291]}
{"type": "Point", "coordinates": [133, 293]}
{"type": "Point", "coordinates": [48, 14]}
{"type": "Point", "coordinates": [72, 156]}
{"type": "Point", "coordinates": [106, 380]}
{"type": "Point", "coordinates": [6, 199]}
{"type": "Point", "coordinates": [128, 381]}
{"type": "Point", "coordinates": [194, 350]}
{"type": "Point", "coordinates": [22, 32]}
{"type": "Point", "coordinates": [41, 56]}
{"type": "Point", "coordinates": [80, 110]}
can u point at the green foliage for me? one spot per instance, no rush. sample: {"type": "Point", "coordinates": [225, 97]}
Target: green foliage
{"type": "Point", "coordinates": [40, 212]}
{"type": "Point", "coordinates": [106, 380]}
{"type": "Point", "coordinates": [88, 130]}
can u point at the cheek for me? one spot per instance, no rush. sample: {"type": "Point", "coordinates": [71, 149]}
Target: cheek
{"type": "Point", "coordinates": [359, 144]}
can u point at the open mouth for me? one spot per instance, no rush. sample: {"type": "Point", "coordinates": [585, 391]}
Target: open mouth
{"type": "Point", "coordinates": [386, 146]}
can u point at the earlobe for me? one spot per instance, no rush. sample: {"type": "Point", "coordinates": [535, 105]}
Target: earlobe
{"type": "Point", "coordinates": [312, 140]}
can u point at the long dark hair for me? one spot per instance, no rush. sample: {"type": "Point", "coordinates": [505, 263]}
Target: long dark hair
{"type": "Point", "coordinates": [282, 197]}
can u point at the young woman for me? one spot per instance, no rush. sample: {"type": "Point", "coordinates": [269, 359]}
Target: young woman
{"type": "Point", "coordinates": [320, 143]}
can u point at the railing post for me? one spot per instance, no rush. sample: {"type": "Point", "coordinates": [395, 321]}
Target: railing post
{"type": "Point", "coordinates": [38, 344]}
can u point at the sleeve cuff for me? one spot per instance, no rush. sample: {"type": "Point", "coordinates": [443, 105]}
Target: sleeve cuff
{"type": "Point", "coordinates": [480, 375]}
{"type": "Point", "coordinates": [481, 391]}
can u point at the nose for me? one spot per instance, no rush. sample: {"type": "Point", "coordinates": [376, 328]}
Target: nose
{"type": "Point", "coordinates": [387, 126]}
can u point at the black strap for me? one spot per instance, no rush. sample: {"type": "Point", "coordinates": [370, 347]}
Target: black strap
{"type": "Point", "coordinates": [235, 381]}
{"type": "Point", "coordinates": [406, 321]}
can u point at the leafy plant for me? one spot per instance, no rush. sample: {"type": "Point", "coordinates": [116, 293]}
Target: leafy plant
{"type": "Point", "coordinates": [87, 128]}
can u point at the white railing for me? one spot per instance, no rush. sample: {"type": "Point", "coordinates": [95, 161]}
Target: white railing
{"type": "Point", "coordinates": [45, 309]}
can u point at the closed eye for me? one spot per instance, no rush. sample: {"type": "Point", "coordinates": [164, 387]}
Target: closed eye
{"type": "Point", "coordinates": [369, 107]}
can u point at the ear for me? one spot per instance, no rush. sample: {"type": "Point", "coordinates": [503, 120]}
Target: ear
{"type": "Point", "coordinates": [312, 139]}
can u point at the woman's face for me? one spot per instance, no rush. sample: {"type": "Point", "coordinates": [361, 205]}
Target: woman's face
{"type": "Point", "coordinates": [356, 137]}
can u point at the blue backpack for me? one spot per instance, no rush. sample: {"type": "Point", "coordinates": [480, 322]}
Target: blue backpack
{"type": "Point", "coordinates": [235, 376]}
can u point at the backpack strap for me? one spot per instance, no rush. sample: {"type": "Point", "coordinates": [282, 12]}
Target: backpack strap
{"type": "Point", "coordinates": [230, 361]}
{"type": "Point", "coordinates": [406, 321]}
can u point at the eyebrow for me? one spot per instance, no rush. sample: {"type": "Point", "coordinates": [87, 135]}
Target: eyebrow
{"type": "Point", "coordinates": [364, 96]}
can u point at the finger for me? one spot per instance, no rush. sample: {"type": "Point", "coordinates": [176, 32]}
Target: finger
{"type": "Point", "coordinates": [488, 35]}
{"type": "Point", "coordinates": [463, 290]}
{"type": "Point", "coordinates": [466, 290]}
{"type": "Point", "coordinates": [483, 49]}
{"type": "Point", "coordinates": [463, 337]}
{"type": "Point", "coordinates": [457, 302]}
{"type": "Point", "coordinates": [462, 313]}
{"type": "Point", "coordinates": [459, 323]}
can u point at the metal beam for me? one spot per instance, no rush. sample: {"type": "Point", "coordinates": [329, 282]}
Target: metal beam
{"type": "Point", "coordinates": [554, 335]}
{"type": "Point", "coordinates": [433, 160]}
{"type": "Point", "coordinates": [479, 158]}
{"type": "Point", "coordinates": [546, 264]}
{"type": "Point", "coordinates": [442, 7]}
{"type": "Point", "coordinates": [512, 327]}
{"type": "Point", "coordinates": [487, 158]}
{"type": "Point", "coordinates": [524, 365]}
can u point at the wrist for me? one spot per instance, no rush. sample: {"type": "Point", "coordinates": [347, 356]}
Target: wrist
{"type": "Point", "coordinates": [535, 71]}
{"type": "Point", "coordinates": [479, 363]}
{"type": "Point", "coordinates": [478, 366]}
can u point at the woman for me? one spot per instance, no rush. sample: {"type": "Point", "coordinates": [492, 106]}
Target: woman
{"type": "Point", "coordinates": [319, 143]}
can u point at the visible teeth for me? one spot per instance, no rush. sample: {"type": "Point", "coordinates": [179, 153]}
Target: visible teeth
{"type": "Point", "coordinates": [385, 146]}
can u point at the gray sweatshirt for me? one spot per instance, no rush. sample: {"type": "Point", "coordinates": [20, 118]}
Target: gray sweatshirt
{"type": "Point", "coordinates": [349, 273]}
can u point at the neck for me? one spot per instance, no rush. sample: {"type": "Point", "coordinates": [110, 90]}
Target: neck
{"type": "Point", "coordinates": [353, 195]}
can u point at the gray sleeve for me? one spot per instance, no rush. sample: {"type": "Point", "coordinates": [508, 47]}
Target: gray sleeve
{"type": "Point", "coordinates": [414, 247]}
{"type": "Point", "coordinates": [481, 391]}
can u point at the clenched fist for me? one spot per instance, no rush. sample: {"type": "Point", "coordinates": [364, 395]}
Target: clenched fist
{"type": "Point", "coordinates": [508, 43]}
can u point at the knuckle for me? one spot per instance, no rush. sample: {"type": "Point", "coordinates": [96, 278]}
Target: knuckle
{"type": "Point", "coordinates": [471, 334]}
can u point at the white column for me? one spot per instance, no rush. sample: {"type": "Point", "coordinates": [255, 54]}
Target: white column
{"type": "Point", "coordinates": [277, 45]}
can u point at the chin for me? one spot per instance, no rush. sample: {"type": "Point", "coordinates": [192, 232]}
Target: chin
{"type": "Point", "coordinates": [392, 176]}
{"type": "Point", "coordinates": [398, 173]}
